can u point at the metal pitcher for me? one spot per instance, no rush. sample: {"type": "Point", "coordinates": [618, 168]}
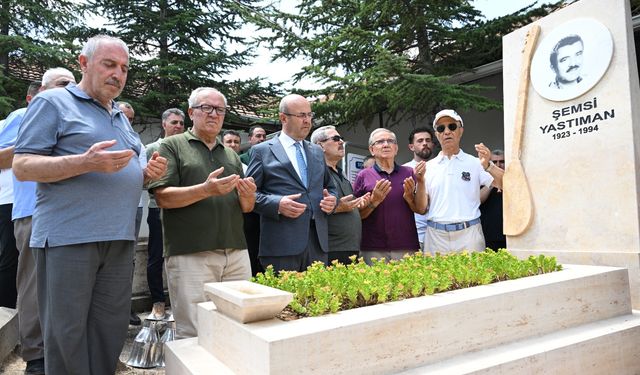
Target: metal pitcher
{"type": "Point", "coordinates": [169, 335]}
{"type": "Point", "coordinates": [146, 347]}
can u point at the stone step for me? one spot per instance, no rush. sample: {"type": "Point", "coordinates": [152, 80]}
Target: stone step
{"type": "Point", "coordinates": [8, 331]}
{"type": "Point", "coordinates": [186, 357]}
{"type": "Point", "coordinates": [606, 347]}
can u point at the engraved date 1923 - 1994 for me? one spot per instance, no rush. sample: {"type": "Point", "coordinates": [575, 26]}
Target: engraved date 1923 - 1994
{"type": "Point", "coordinates": [568, 133]}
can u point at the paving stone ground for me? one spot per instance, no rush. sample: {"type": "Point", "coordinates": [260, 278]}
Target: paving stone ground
{"type": "Point", "coordinates": [14, 365]}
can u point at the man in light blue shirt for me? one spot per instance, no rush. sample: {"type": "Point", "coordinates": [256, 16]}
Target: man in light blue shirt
{"type": "Point", "coordinates": [24, 201]}
{"type": "Point", "coordinates": [78, 145]}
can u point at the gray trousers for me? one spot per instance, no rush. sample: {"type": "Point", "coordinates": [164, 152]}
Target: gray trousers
{"type": "Point", "coordinates": [84, 298]}
{"type": "Point", "coordinates": [28, 317]}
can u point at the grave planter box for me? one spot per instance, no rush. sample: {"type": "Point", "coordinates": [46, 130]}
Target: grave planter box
{"type": "Point", "coordinates": [245, 301]}
{"type": "Point", "coordinates": [426, 331]}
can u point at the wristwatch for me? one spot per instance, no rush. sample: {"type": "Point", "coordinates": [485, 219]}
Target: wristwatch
{"type": "Point", "coordinates": [489, 166]}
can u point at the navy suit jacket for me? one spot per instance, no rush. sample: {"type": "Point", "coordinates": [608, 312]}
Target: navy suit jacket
{"type": "Point", "coordinates": [276, 177]}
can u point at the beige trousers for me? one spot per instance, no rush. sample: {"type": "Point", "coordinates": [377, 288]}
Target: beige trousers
{"type": "Point", "coordinates": [443, 242]}
{"type": "Point", "coordinates": [187, 274]}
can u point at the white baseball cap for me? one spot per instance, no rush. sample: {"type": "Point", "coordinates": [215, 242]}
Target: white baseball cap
{"type": "Point", "coordinates": [448, 113]}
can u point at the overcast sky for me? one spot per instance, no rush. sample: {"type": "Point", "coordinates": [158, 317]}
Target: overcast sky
{"type": "Point", "coordinates": [283, 70]}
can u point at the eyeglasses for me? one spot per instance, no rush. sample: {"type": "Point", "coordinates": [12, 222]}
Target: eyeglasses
{"type": "Point", "coordinates": [208, 109]}
{"type": "Point", "coordinates": [301, 115]}
{"type": "Point", "coordinates": [63, 83]}
{"type": "Point", "coordinates": [380, 142]}
{"type": "Point", "coordinates": [335, 138]}
{"type": "Point", "coordinates": [452, 126]}
{"type": "Point", "coordinates": [498, 161]}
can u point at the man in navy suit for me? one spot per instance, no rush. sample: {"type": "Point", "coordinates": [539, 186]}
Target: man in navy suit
{"type": "Point", "coordinates": [294, 192]}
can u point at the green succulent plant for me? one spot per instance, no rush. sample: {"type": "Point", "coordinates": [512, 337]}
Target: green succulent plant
{"type": "Point", "coordinates": [327, 289]}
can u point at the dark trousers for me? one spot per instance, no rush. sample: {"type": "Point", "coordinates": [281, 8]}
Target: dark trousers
{"type": "Point", "coordinates": [155, 259]}
{"type": "Point", "coordinates": [8, 259]}
{"type": "Point", "coordinates": [342, 256]}
{"type": "Point", "coordinates": [495, 245]}
{"type": "Point", "coordinates": [312, 253]}
{"type": "Point", "coordinates": [252, 236]}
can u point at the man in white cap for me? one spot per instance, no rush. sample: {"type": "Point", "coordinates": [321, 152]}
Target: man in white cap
{"type": "Point", "coordinates": [453, 181]}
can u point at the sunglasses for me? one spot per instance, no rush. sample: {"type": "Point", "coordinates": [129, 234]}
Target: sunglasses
{"type": "Point", "coordinates": [335, 138]}
{"type": "Point", "coordinates": [452, 126]}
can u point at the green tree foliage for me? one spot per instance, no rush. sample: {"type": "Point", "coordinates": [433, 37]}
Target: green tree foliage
{"type": "Point", "coordinates": [34, 36]}
{"type": "Point", "coordinates": [179, 45]}
{"type": "Point", "coordinates": [391, 56]}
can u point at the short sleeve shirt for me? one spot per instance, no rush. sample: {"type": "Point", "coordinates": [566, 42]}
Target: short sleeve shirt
{"type": "Point", "coordinates": [212, 223]}
{"type": "Point", "coordinates": [453, 186]}
{"type": "Point", "coordinates": [94, 206]}
{"type": "Point", "coordinates": [23, 192]}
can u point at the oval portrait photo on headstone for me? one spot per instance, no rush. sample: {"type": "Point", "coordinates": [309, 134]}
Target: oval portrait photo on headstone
{"type": "Point", "coordinates": [571, 59]}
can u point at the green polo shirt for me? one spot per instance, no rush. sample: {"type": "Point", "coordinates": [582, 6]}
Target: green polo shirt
{"type": "Point", "coordinates": [212, 223]}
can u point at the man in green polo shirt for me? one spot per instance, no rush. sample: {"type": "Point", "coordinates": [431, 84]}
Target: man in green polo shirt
{"type": "Point", "coordinates": [202, 196]}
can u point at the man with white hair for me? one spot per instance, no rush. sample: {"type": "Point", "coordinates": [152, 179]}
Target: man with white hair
{"type": "Point", "coordinates": [24, 200]}
{"type": "Point", "coordinates": [77, 144]}
{"type": "Point", "coordinates": [202, 196]}
{"type": "Point", "coordinates": [397, 193]}
{"type": "Point", "coordinates": [8, 251]}
{"type": "Point", "coordinates": [345, 224]}
{"type": "Point", "coordinates": [453, 181]}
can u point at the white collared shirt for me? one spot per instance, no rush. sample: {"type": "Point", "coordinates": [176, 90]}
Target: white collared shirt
{"type": "Point", "coordinates": [289, 147]}
{"type": "Point", "coordinates": [453, 186]}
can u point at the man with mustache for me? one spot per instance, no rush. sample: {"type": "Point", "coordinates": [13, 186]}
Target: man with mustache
{"type": "Point", "coordinates": [257, 135]}
{"type": "Point", "coordinates": [566, 62]}
{"type": "Point", "coordinates": [345, 224]}
{"type": "Point", "coordinates": [295, 193]}
{"type": "Point", "coordinates": [78, 145]}
{"type": "Point", "coordinates": [231, 139]}
{"type": "Point", "coordinates": [453, 180]}
{"type": "Point", "coordinates": [491, 209]}
{"type": "Point", "coordinates": [421, 143]}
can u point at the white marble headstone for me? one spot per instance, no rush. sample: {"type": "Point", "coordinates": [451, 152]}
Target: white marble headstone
{"type": "Point", "coordinates": [580, 150]}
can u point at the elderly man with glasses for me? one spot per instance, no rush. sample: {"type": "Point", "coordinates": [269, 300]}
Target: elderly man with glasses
{"type": "Point", "coordinates": [453, 180]}
{"type": "Point", "coordinates": [397, 192]}
{"type": "Point", "coordinates": [345, 225]}
{"type": "Point", "coordinates": [295, 193]}
{"type": "Point", "coordinates": [202, 196]}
